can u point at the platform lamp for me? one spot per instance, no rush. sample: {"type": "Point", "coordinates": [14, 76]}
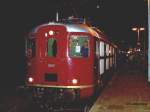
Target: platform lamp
{"type": "Point", "coordinates": [138, 29]}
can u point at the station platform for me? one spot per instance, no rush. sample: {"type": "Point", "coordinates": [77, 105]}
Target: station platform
{"type": "Point", "coordinates": [128, 91]}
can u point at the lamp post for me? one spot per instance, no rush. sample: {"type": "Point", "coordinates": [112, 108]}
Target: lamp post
{"type": "Point", "coordinates": [138, 29]}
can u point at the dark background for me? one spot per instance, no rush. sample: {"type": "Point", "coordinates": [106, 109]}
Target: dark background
{"type": "Point", "coordinates": [114, 17]}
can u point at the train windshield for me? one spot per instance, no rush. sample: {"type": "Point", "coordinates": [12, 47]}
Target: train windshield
{"type": "Point", "coordinates": [79, 46]}
{"type": "Point", "coordinates": [51, 47]}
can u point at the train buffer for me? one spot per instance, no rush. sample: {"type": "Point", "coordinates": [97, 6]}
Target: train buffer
{"type": "Point", "coordinates": [128, 91]}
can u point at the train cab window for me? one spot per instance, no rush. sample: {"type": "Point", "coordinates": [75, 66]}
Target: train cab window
{"type": "Point", "coordinates": [30, 48]}
{"type": "Point", "coordinates": [79, 46]}
{"type": "Point", "coordinates": [51, 47]}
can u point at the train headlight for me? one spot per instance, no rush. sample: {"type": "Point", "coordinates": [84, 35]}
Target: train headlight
{"type": "Point", "coordinates": [74, 81]}
{"type": "Point", "coordinates": [51, 32]}
{"type": "Point", "coordinates": [30, 79]}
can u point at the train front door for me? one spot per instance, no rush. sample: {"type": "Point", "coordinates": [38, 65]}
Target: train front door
{"type": "Point", "coordinates": [96, 61]}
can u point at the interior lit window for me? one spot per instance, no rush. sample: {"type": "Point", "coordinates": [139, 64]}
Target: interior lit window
{"type": "Point", "coordinates": [107, 49]}
{"type": "Point", "coordinates": [79, 46]}
{"type": "Point", "coordinates": [101, 49]}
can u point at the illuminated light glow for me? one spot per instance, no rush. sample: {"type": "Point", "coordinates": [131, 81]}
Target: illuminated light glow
{"type": "Point", "coordinates": [46, 34]}
{"type": "Point", "coordinates": [30, 79]}
{"type": "Point", "coordinates": [134, 29]}
{"type": "Point", "coordinates": [138, 49]}
{"type": "Point", "coordinates": [74, 81]}
{"type": "Point", "coordinates": [51, 32]}
{"type": "Point", "coordinates": [141, 29]}
{"type": "Point", "coordinates": [129, 52]}
{"type": "Point", "coordinates": [109, 51]}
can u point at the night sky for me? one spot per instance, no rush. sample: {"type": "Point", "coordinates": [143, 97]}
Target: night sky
{"type": "Point", "coordinates": [114, 17]}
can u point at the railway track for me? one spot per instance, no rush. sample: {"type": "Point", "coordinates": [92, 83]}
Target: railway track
{"type": "Point", "coordinates": [22, 104]}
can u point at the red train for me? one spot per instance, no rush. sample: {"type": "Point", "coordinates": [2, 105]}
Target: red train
{"type": "Point", "coordinates": [67, 61]}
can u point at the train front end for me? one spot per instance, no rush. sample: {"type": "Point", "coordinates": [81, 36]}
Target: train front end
{"type": "Point", "coordinates": [59, 63]}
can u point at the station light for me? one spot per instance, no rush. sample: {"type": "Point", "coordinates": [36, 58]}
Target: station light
{"type": "Point", "coordinates": [138, 30]}
{"type": "Point", "coordinates": [134, 29]}
{"type": "Point", "coordinates": [141, 29]}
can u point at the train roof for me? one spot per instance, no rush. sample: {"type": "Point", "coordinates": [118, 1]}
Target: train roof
{"type": "Point", "coordinates": [73, 27]}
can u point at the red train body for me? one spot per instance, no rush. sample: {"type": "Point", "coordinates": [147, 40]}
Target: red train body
{"type": "Point", "coordinates": [67, 61]}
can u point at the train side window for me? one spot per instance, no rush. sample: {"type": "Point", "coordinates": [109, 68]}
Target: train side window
{"type": "Point", "coordinates": [30, 48]}
{"type": "Point", "coordinates": [107, 63]}
{"type": "Point", "coordinates": [51, 47]}
{"type": "Point", "coordinates": [107, 49]}
{"type": "Point", "coordinates": [101, 49]}
{"type": "Point", "coordinates": [79, 46]}
{"type": "Point", "coordinates": [101, 66]}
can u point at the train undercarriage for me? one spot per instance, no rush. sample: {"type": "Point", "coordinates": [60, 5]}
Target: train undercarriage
{"type": "Point", "coordinates": [59, 100]}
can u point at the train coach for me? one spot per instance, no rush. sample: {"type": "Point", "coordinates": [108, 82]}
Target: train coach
{"type": "Point", "coordinates": [67, 61]}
